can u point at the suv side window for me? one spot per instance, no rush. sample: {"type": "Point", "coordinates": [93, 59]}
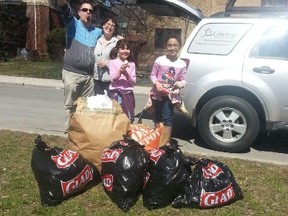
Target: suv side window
{"type": "Point", "coordinates": [218, 38]}
{"type": "Point", "coordinates": [273, 44]}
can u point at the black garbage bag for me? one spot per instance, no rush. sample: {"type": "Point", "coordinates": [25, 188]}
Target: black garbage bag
{"type": "Point", "coordinates": [212, 184]}
{"type": "Point", "coordinates": [123, 169]}
{"type": "Point", "coordinates": [168, 171]}
{"type": "Point", "coordinates": [61, 173]}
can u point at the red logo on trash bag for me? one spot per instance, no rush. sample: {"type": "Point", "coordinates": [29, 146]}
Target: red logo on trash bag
{"type": "Point", "coordinates": [107, 180]}
{"type": "Point", "coordinates": [211, 199]}
{"type": "Point", "coordinates": [211, 171]}
{"type": "Point", "coordinates": [155, 154]}
{"type": "Point", "coordinates": [78, 182]}
{"type": "Point", "coordinates": [65, 158]}
{"type": "Point", "coordinates": [109, 155]}
{"type": "Point", "coordinates": [123, 143]}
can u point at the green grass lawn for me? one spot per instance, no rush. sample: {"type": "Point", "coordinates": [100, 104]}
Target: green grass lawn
{"type": "Point", "coordinates": [48, 70]}
{"type": "Point", "coordinates": [35, 69]}
{"type": "Point", "coordinates": [264, 187]}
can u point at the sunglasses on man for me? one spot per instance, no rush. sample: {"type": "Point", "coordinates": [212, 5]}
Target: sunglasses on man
{"type": "Point", "coordinates": [86, 10]}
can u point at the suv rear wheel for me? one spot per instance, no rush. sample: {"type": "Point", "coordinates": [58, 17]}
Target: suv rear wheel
{"type": "Point", "coordinates": [228, 123]}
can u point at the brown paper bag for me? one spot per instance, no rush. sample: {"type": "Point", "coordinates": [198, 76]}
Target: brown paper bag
{"type": "Point", "coordinates": [92, 130]}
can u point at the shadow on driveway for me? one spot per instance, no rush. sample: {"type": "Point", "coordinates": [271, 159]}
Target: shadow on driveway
{"type": "Point", "coordinates": [276, 141]}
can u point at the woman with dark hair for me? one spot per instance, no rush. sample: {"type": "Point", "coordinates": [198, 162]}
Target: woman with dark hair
{"type": "Point", "coordinates": [102, 50]}
{"type": "Point", "coordinates": [123, 77]}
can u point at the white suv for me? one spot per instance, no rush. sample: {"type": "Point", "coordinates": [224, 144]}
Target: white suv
{"type": "Point", "coordinates": [237, 76]}
{"type": "Point", "coordinates": [237, 79]}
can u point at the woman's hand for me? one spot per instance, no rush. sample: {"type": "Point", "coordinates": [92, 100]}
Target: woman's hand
{"type": "Point", "coordinates": [102, 63]}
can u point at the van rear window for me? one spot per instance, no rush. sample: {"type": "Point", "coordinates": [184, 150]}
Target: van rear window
{"type": "Point", "coordinates": [218, 39]}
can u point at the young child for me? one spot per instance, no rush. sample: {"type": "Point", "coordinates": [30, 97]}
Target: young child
{"type": "Point", "coordinates": [123, 77]}
{"type": "Point", "coordinates": [168, 76]}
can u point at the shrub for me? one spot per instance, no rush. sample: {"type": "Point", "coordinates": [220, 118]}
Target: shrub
{"type": "Point", "coordinates": [56, 43]}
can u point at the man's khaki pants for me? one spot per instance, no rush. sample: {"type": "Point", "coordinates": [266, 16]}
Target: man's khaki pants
{"type": "Point", "coordinates": [75, 85]}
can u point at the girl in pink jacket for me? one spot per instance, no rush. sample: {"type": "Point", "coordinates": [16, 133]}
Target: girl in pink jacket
{"type": "Point", "coordinates": [123, 77]}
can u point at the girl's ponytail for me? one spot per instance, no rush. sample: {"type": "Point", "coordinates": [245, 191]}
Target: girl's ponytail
{"type": "Point", "coordinates": [113, 53]}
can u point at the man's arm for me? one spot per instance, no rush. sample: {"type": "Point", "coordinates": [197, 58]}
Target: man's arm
{"type": "Point", "coordinates": [66, 11]}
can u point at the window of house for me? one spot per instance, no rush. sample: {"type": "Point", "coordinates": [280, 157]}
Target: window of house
{"type": "Point", "coordinates": [162, 34]}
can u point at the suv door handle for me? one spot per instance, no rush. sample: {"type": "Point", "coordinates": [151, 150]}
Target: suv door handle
{"type": "Point", "coordinates": [264, 70]}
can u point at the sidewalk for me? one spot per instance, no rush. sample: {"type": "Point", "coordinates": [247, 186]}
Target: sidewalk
{"type": "Point", "coordinates": [53, 83]}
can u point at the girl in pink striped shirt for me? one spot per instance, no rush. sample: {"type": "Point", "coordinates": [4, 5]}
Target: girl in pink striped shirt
{"type": "Point", "coordinates": [168, 76]}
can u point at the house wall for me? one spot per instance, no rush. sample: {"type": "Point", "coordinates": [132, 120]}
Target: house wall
{"type": "Point", "coordinates": [148, 53]}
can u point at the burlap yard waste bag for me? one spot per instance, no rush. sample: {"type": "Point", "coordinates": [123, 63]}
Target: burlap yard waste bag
{"type": "Point", "coordinates": [92, 130]}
